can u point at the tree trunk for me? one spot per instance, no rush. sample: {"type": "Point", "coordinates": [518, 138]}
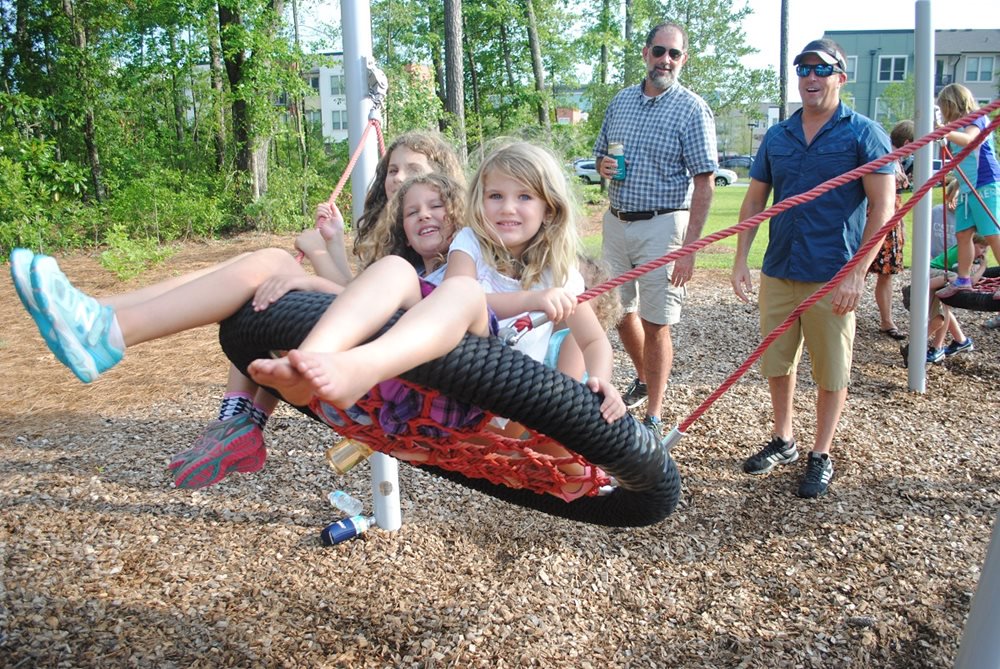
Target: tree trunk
{"type": "Point", "coordinates": [454, 73]}
{"type": "Point", "coordinates": [508, 68]}
{"type": "Point", "coordinates": [298, 110]}
{"type": "Point", "coordinates": [474, 80]}
{"type": "Point", "coordinates": [235, 62]}
{"type": "Point", "coordinates": [89, 124]}
{"type": "Point", "coordinates": [537, 67]}
{"type": "Point", "coordinates": [177, 97]}
{"type": "Point", "coordinates": [629, 67]}
{"type": "Point", "coordinates": [783, 64]}
{"type": "Point", "coordinates": [440, 85]}
{"type": "Point", "coordinates": [604, 67]}
{"type": "Point", "coordinates": [215, 66]}
{"type": "Point", "coordinates": [251, 148]}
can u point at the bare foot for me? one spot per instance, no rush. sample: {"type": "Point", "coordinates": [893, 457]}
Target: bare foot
{"type": "Point", "coordinates": [281, 375]}
{"type": "Point", "coordinates": [338, 378]}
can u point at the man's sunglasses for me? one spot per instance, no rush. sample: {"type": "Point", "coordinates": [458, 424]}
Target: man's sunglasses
{"type": "Point", "coordinates": [658, 51]}
{"type": "Point", "coordinates": [821, 70]}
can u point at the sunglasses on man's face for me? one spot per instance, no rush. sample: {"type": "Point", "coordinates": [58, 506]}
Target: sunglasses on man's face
{"type": "Point", "coordinates": [821, 70]}
{"type": "Point", "coordinates": [658, 51]}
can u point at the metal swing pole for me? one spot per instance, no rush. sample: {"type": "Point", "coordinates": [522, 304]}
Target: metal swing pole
{"type": "Point", "coordinates": [920, 247]}
{"type": "Point", "coordinates": [356, 25]}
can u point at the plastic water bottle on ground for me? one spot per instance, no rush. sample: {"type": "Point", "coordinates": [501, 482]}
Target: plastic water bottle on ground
{"type": "Point", "coordinates": [346, 529]}
{"type": "Point", "coordinates": [344, 502]}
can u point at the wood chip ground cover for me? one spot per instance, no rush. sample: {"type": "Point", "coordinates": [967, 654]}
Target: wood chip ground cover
{"type": "Point", "coordinates": [102, 563]}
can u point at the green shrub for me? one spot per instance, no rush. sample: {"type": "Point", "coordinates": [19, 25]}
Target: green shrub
{"type": "Point", "coordinates": [166, 204]}
{"type": "Point", "coordinates": [128, 257]}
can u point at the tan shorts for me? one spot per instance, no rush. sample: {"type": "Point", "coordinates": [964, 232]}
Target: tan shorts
{"type": "Point", "coordinates": [828, 337]}
{"type": "Point", "coordinates": [626, 245]}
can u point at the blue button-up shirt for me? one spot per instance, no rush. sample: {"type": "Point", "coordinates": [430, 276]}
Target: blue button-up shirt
{"type": "Point", "coordinates": [811, 242]}
{"type": "Point", "coordinates": [667, 139]}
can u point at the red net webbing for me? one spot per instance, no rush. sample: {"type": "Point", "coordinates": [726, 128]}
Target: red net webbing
{"type": "Point", "coordinates": [423, 427]}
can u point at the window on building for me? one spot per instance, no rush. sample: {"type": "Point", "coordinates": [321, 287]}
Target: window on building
{"type": "Point", "coordinates": [314, 82]}
{"type": "Point", "coordinates": [313, 117]}
{"type": "Point", "coordinates": [881, 110]}
{"type": "Point", "coordinates": [852, 68]}
{"type": "Point", "coordinates": [339, 118]}
{"type": "Point", "coordinates": [891, 68]}
{"type": "Point", "coordinates": [337, 85]}
{"type": "Point", "coordinates": [979, 68]}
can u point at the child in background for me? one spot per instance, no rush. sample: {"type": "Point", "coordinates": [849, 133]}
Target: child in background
{"type": "Point", "coordinates": [982, 169]}
{"type": "Point", "coordinates": [889, 261]}
{"type": "Point", "coordinates": [941, 317]}
{"type": "Point", "coordinates": [520, 248]}
{"type": "Point", "coordinates": [563, 353]}
{"type": "Point", "coordinates": [222, 448]}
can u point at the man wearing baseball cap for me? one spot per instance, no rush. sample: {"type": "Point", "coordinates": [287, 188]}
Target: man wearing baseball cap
{"type": "Point", "coordinates": [826, 50]}
{"type": "Point", "coordinates": [807, 245]}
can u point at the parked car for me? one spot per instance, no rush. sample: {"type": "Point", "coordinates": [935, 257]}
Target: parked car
{"type": "Point", "coordinates": [736, 162]}
{"type": "Point", "coordinates": [586, 171]}
{"type": "Point", "coordinates": [724, 177]}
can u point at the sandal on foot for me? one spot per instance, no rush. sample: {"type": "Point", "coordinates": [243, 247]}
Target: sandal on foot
{"type": "Point", "coordinates": [893, 333]}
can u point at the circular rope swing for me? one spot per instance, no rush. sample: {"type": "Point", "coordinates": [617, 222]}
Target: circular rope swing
{"type": "Point", "coordinates": [505, 382]}
{"type": "Point", "coordinates": [980, 298]}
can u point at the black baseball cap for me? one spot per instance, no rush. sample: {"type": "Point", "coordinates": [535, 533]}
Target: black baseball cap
{"type": "Point", "coordinates": [827, 50]}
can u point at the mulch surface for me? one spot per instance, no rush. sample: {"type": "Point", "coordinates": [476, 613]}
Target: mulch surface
{"type": "Point", "coordinates": [103, 563]}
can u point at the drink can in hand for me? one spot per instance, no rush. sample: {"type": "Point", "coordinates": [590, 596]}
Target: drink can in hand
{"type": "Point", "coordinates": [617, 151]}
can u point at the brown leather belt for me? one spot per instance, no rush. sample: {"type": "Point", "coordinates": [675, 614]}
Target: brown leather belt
{"type": "Point", "coordinates": [640, 215]}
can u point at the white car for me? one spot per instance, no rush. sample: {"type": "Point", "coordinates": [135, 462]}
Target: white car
{"type": "Point", "coordinates": [586, 171]}
{"type": "Point", "coordinates": [724, 177]}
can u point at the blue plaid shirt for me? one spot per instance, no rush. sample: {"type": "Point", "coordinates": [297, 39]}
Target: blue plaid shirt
{"type": "Point", "coordinates": [667, 139]}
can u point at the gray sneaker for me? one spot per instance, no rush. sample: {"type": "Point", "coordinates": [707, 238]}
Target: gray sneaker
{"type": "Point", "coordinates": [819, 473]}
{"type": "Point", "coordinates": [654, 425]}
{"type": "Point", "coordinates": [635, 394]}
{"type": "Point", "coordinates": [775, 452]}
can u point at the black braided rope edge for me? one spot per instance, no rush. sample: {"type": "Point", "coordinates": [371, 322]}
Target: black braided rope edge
{"type": "Point", "coordinates": [490, 375]}
{"type": "Point", "coordinates": [970, 299]}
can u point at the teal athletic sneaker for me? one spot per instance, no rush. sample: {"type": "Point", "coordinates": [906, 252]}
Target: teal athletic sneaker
{"type": "Point", "coordinates": [80, 323]}
{"type": "Point", "coordinates": [20, 272]}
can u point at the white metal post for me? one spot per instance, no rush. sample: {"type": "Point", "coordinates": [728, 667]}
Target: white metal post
{"type": "Point", "coordinates": [356, 25]}
{"type": "Point", "coordinates": [980, 646]}
{"type": "Point", "coordinates": [920, 245]}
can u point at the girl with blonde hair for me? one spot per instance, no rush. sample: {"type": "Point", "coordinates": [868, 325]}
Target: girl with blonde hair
{"type": "Point", "coordinates": [979, 198]}
{"type": "Point", "coordinates": [519, 254]}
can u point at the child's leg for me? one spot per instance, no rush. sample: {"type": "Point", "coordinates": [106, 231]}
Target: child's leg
{"type": "Point", "coordinates": [953, 327]}
{"type": "Point", "coordinates": [883, 298]}
{"type": "Point", "coordinates": [937, 340]}
{"type": "Point", "coordinates": [428, 330]}
{"type": "Point", "coordinates": [91, 337]}
{"type": "Point", "coordinates": [207, 299]}
{"type": "Point", "coordinates": [966, 250]}
{"type": "Point", "coordinates": [146, 293]}
{"type": "Point", "coordinates": [938, 281]}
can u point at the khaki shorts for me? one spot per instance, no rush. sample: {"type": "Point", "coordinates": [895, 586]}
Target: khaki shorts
{"type": "Point", "coordinates": [626, 245]}
{"type": "Point", "coordinates": [829, 337]}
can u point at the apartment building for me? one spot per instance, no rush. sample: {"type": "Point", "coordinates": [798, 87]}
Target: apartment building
{"type": "Point", "coordinates": [877, 59]}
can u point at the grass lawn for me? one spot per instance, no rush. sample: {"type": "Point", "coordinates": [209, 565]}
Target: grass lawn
{"type": "Point", "coordinates": [724, 214]}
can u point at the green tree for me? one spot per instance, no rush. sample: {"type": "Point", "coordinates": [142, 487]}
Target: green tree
{"type": "Point", "coordinates": [896, 102]}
